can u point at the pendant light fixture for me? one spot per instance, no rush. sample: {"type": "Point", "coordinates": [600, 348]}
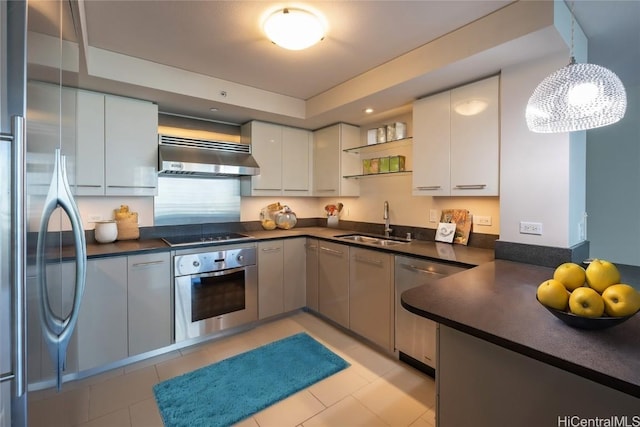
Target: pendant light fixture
{"type": "Point", "coordinates": [577, 97]}
{"type": "Point", "coordinates": [294, 29]}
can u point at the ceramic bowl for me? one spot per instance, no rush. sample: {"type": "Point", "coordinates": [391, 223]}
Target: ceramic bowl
{"type": "Point", "coordinates": [587, 322]}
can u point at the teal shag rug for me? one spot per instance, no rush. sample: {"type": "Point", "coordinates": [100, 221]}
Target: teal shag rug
{"type": "Point", "coordinates": [229, 391]}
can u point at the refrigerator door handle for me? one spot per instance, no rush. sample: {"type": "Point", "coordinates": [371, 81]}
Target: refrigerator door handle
{"type": "Point", "coordinates": [57, 331]}
{"type": "Point", "coordinates": [18, 255]}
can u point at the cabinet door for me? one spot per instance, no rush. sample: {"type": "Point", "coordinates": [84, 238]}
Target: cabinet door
{"type": "Point", "coordinates": [431, 145]}
{"type": "Point", "coordinates": [312, 249]}
{"type": "Point", "coordinates": [326, 162]}
{"type": "Point", "coordinates": [90, 144]}
{"type": "Point", "coordinates": [102, 322]}
{"type": "Point", "coordinates": [475, 139]}
{"type": "Point", "coordinates": [149, 302]}
{"type": "Point", "coordinates": [270, 278]}
{"type": "Point", "coordinates": [333, 282]}
{"type": "Point", "coordinates": [266, 148]}
{"type": "Point", "coordinates": [297, 145]}
{"type": "Point", "coordinates": [295, 274]}
{"type": "Point", "coordinates": [371, 296]}
{"type": "Point", "coordinates": [131, 143]}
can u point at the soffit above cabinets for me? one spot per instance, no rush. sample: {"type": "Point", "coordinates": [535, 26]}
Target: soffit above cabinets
{"type": "Point", "coordinates": [377, 53]}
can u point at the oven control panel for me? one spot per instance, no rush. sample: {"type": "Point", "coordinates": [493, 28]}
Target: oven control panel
{"type": "Point", "coordinates": [213, 261]}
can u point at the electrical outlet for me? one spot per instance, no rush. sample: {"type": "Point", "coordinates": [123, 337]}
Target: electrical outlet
{"type": "Point", "coordinates": [433, 215]}
{"type": "Point", "coordinates": [482, 220]}
{"type": "Point", "coordinates": [95, 218]}
{"type": "Point", "coordinates": [531, 228]}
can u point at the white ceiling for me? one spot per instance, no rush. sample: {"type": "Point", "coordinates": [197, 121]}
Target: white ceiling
{"type": "Point", "coordinates": [223, 40]}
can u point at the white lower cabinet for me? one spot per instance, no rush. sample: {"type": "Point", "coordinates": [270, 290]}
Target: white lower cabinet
{"type": "Point", "coordinates": [371, 296]}
{"type": "Point", "coordinates": [102, 323]}
{"type": "Point", "coordinates": [149, 302]}
{"type": "Point", "coordinates": [333, 282]}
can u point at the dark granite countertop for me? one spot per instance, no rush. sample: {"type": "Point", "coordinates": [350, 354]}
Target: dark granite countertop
{"type": "Point", "coordinates": [458, 254]}
{"type": "Point", "coordinates": [496, 302]}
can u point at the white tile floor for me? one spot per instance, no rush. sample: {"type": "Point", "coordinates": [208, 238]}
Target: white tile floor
{"type": "Point", "coordinates": [376, 390]}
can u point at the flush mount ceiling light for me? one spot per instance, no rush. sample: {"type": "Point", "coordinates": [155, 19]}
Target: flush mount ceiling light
{"type": "Point", "coordinates": [576, 97]}
{"type": "Point", "coordinates": [294, 29]}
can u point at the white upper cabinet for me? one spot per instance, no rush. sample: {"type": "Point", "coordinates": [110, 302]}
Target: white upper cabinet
{"type": "Point", "coordinates": [117, 145]}
{"type": "Point", "coordinates": [297, 147]}
{"type": "Point", "coordinates": [131, 147]}
{"type": "Point", "coordinates": [284, 156]}
{"type": "Point", "coordinates": [331, 164]}
{"type": "Point", "coordinates": [90, 143]}
{"type": "Point", "coordinates": [456, 142]}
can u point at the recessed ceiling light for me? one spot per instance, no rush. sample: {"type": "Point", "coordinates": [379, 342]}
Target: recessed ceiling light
{"type": "Point", "coordinates": [368, 110]}
{"type": "Point", "coordinates": [294, 29]}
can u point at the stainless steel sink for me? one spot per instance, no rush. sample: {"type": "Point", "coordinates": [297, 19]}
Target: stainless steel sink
{"type": "Point", "coordinates": [373, 240]}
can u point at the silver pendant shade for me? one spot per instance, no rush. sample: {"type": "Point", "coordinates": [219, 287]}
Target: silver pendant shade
{"type": "Point", "coordinates": [577, 97]}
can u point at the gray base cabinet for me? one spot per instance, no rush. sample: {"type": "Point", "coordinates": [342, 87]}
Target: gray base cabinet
{"type": "Point", "coordinates": [483, 384]}
{"type": "Point", "coordinates": [270, 278]}
{"type": "Point", "coordinates": [371, 296]}
{"type": "Point", "coordinates": [295, 272]}
{"type": "Point", "coordinates": [281, 276]}
{"type": "Point", "coordinates": [102, 322]}
{"type": "Point", "coordinates": [333, 282]}
{"type": "Point", "coordinates": [312, 248]}
{"type": "Point", "coordinates": [149, 302]}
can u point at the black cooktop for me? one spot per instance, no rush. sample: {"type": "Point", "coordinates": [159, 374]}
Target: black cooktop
{"type": "Point", "coordinates": [204, 239]}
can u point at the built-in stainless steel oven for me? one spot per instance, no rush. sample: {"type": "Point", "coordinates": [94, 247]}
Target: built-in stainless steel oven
{"type": "Point", "coordinates": [216, 288]}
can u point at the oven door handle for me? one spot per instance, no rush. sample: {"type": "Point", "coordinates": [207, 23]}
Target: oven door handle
{"type": "Point", "coordinates": [219, 273]}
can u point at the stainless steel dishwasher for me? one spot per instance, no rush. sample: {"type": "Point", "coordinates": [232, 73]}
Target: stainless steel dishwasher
{"type": "Point", "coordinates": [415, 337]}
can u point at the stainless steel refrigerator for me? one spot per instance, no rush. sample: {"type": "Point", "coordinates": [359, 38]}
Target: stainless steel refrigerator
{"type": "Point", "coordinates": [43, 252]}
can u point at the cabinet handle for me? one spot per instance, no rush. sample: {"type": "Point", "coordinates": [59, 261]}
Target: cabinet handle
{"type": "Point", "coordinates": [430, 187]}
{"type": "Point", "coordinates": [89, 186]}
{"type": "Point", "coordinates": [131, 186]}
{"type": "Point", "coordinates": [420, 270]}
{"type": "Point", "coordinates": [266, 189]}
{"type": "Point", "coordinates": [146, 264]}
{"type": "Point", "coordinates": [312, 247]}
{"type": "Point", "coordinates": [470, 186]}
{"type": "Point", "coordinates": [271, 249]}
{"type": "Point", "coordinates": [368, 260]}
{"type": "Point", "coordinates": [295, 189]}
{"type": "Point", "coordinates": [331, 251]}
{"type": "Point", "coordinates": [325, 190]}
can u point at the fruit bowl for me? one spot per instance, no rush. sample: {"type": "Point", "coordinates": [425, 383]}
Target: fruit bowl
{"type": "Point", "coordinates": [591, 323]}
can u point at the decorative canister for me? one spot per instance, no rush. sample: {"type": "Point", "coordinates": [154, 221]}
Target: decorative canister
{"type": "Point", "coordinates": [286, 219]}
{"type": "Point", "coordinates": [106, 231]}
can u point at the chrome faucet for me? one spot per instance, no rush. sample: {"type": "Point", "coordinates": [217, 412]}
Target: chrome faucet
{"type": "Point", "coordinates": [385, 216]}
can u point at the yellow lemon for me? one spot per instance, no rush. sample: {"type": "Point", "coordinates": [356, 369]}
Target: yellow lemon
{"type": "Point", "coordinates": [601, 274]}
{"type": "Point", "coordinates": [552, 293]}
{"type": "Point", "coordinates": [621, 300]}
{"type": "Point", "coordinates": [570, 274]}
{"type": "Point", "coordinates": [586, 302]}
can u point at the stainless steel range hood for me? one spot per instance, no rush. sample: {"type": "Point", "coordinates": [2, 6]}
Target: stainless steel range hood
{"type": "Point", "coordinates": [204, 158]}
{"type": "Point", "coordinates": [195, 148]}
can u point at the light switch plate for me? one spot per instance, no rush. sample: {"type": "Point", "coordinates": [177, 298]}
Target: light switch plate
{"type": "Point", "coordinates": [433, 215]}
{"type": "Point", "coordinates": [482, 220]}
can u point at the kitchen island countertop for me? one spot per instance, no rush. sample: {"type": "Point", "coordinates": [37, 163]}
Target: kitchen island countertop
{"type": "Point", "coordinates": [496, 302]}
